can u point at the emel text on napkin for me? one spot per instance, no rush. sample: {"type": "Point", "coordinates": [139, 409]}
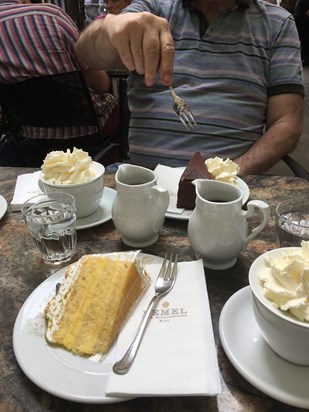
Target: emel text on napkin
{"type": "Point", "coordinates": [25, 188]}
{"type": "Point", "coordinates": [177, 355]}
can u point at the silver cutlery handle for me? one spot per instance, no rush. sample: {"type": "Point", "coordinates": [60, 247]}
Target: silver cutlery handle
{"type": "Point", "coordinates": [122, 366]}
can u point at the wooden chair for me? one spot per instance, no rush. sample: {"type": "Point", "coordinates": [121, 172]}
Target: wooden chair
{"type": "Point", "coordinates": [53, 101]}
{"type": "Point", "coordinates": [120, 86]}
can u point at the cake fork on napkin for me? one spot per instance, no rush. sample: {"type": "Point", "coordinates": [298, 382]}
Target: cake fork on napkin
{"type": "Point", "coordinates": [177, 355]}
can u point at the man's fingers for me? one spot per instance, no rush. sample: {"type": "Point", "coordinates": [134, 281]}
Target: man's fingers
{"type": "Point", "coordinates": [137, 53]}
{"type": "Point", "coordinates": [152, 52]}
{"type": "Point", "coordinates": [145, 44]}
{"type": "Point", "coordinates": [126, 36]}
{"type": "Point", "coordinates": [125, 54]}
{"type": "Point", "coordinates": [159, 53]}
{"type": "Point", "coordinates": [167, 57]}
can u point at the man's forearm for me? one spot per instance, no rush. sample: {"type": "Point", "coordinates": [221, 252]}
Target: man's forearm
{"type": "Point", "coordinates": [268, 150]}
{"type": "Point", "coordinates": [283, 131]}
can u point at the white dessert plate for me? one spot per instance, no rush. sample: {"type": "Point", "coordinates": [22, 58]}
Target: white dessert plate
{"type": "Point", "coordinates": [3, 206]}
{"type": "Point", "coordinates": [187, 213]}
{"type": "Point", "coordinates": [53, 369]}
{"type": "Point", "coordinates": [102, 214]}
{"type": "Point", "coordinates": [254, 360]}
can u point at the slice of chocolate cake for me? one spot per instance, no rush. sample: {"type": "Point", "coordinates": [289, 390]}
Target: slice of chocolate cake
{"type": "Point", "coordinates": [196, 169]}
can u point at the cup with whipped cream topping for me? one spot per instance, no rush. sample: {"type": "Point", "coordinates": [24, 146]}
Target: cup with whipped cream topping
{"type": "Point", "coordinates": [279, 281]}
{"type": "Point", "coordinates": [77, 174]}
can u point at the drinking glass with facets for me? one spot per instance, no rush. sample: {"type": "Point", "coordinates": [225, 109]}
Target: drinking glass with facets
{"type": "Point", "coordinates": [292, 222]}
{"type": "Point", "coordinates": [51, 221]}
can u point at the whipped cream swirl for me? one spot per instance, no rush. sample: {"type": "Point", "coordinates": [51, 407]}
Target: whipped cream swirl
{"type": "Point", "coordinates": [285, 281]}
{"type": "Point", "coordinates": [65, 168]}
{"type": "Point", "coordinates": [223, 170]}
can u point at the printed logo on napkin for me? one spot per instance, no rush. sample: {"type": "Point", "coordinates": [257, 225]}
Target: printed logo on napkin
{"type": "Point", "coordinates": [165, 312]}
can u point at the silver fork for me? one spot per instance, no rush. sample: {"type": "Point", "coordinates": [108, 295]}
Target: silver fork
{"type": "Point", "coordinates": [164, 283]}
{"type": "Point", "coordinates": [183, 111]}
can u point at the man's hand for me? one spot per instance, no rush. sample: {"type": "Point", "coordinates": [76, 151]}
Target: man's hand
{"type": "Point", "coordinates": [142, 41]}
{"type": "Point", "coordinates": [144, 44]}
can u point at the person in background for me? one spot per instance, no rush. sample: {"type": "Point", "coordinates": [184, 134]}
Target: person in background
{"type": "Point", "coordinates": [42, 39]}
{"type": "Point", "coordinates": [116, 6]}
{"type": "Point", "coordinates": [235, 62]}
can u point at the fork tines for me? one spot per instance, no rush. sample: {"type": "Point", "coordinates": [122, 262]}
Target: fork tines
{"type": "Point", "coordinates": [187, 119]}
{"type": "Point", "coordinates": [183, 111]}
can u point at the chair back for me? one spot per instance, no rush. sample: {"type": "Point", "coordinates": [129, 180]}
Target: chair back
{"type": "Point", "coordinates": [297, 168]}
{"type": "Point", "coordinates": [49, 101]}
{"type": "Point", "coordinates": [55, 101]}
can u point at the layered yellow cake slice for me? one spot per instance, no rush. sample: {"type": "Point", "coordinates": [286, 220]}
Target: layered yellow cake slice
{"type": "Point", "coordinates": [92, 303]}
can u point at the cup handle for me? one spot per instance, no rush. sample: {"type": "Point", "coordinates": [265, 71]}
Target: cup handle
{"type": "Point", "coordinates": [164, 198]}
{"type": "Point", "coordinates": [265, 209]}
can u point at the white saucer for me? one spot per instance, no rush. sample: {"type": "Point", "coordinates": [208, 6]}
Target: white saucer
{"type": "Point", "coordinates": [187, 213]}
{"type": "Point", "coordinates": [252, 357]}
{"type": "Point", "coordinates": [55, 370]}
{"type": "Point", "coordinates": [3, 206]}
{"type": "Point", "coordinates": [102, 214]}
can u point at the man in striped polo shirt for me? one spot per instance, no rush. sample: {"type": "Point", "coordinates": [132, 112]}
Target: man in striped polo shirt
{"type": "Point", "coordinates": [235, 62]}
{"type": "Point", "coordinates": [38, 40]}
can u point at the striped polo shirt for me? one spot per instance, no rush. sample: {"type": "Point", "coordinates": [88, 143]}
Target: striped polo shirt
{"type": "Point", "coordinates": [38, 40]}
{"type": "Point", "coordinates": [225, 74]}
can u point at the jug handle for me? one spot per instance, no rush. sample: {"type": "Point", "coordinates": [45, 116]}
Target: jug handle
{"type": "Point", "coordinates": [265, 209]}
{"type": "Point", "coordinates": [164, 198]}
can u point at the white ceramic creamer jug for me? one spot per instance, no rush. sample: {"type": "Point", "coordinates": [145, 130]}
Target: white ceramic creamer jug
{"type": "Point", "coordinates": [140, 205]}
{"type": "Point", "coordinates": [218, 227]}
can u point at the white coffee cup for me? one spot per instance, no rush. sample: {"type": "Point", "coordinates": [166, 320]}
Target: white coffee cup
{"type": "Point", "coordinates": [87, 195]}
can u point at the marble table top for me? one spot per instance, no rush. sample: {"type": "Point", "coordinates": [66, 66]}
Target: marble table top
{"type": "Point", "coordinates": [22, 271]}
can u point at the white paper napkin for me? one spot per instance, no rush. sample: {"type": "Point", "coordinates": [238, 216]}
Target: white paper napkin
{"type": "Point", "coordinates": [177, 355]}
{"type": "Point", "coordinates": [25, 188]}
{"type": "Point", "coordinates": [168, 177]}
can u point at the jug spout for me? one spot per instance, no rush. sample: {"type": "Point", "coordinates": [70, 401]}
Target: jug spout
{"type": "Point", "coordinates": [133, 175]}
{"type": "Point", "coordinates": [214, 191]}
{"type": "Point", "coordinates": [203, 187]}
{"type": "Point", "coordinates": [125, 170]}
{"type": "Point", "coordinates": [198, 183]}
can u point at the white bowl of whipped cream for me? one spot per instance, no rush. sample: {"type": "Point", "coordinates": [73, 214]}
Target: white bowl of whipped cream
{"type": "Point", "coordinates": [77, 174]}
{"type": "Point", "coordinates": [279, 281]}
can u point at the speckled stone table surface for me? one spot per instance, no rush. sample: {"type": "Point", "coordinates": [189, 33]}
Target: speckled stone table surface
{"type": "Point", "coordinates": [21, 271]}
